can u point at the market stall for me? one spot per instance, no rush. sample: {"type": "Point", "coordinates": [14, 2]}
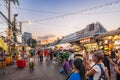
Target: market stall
{"type": "Point", "coordinates": [109, 40]}
{"type": "Point", "coordinates": [91, 46]}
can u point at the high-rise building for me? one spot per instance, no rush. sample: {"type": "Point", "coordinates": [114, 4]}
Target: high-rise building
{"type": "Point", "coordinates": [25, 37]}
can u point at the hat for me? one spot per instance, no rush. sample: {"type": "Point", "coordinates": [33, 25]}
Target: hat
{"type": "Point", "coordinates": [99, 54]}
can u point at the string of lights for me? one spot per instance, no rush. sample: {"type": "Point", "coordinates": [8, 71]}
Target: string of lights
{"type": "Point", "coordinates": [78, 12]}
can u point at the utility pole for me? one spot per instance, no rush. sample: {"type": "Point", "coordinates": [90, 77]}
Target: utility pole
{"type": "Point", "coordinates": [9, 32]}
{"type": "Point", "coordinates": [20, 25]}
{"type": "Point", "coordinates": [9, 27]}
{"type": "Point", "coordinates": [14, 28]}
{"type": "Point", "coordinates": [5, 18]}
{"type": "Point", "coordinates": [14, 33]}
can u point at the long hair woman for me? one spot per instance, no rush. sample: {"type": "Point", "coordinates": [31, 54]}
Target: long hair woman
{"type": "Point", "coordinates": [78, 70]}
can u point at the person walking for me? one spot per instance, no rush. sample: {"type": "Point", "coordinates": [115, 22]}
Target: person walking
{"type": "Point", "coordinates": [41, 55]}
{"type": "Point", "coordinates": [31, 62]}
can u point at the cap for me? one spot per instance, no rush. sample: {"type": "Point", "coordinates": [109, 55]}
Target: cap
{"type": "Point", "coordinates": [99, 54]}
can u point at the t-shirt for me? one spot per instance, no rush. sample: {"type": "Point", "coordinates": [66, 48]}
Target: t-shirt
{"type": "Point", "coordinates": [98, 71]}
{"type": "Point", "coordinates": [66, 55]}
{"type": "Point", "coordinates": [31, 59]}
{"type": "Point", "coordinates": [75, 76]}
{"type": "Point", "coordinates": [66, 65]}
{"type": "Point", "coordinates": [46, 53]}
{"type": "Point", "coordinates": [71, 57]}
{"type": "Point", "coordinates": [40, 53]}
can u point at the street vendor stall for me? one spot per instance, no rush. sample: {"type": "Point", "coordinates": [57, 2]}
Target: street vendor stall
{"type": "Point", "coordinates": [91, 46]}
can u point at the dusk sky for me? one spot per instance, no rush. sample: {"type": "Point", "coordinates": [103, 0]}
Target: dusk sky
{"type": "Point", "coordinates": [38, 12]}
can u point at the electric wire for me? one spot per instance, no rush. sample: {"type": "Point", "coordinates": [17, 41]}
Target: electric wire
{"type": "Point", "coordinates": [41, 11]}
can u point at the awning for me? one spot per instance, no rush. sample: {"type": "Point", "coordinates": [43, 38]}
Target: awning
{"type": "Point", "coordinates": [3, 45]}
{"type": "Point", "coordinates": [110, 33]}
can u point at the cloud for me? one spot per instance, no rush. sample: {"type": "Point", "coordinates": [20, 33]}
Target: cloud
{"type": "Point", "coordinates": [46, 37]}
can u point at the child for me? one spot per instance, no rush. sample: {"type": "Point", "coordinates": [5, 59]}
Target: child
{"type": "Point", "coordinates": [31, 63]}
{"type": "Point", "coordinates": [66, 66]}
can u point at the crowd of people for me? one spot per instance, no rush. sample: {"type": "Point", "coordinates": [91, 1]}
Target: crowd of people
{"type": "Point", "coordinates": [84, 65]}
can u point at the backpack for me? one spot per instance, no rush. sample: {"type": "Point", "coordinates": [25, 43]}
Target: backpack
{"type": "Point", "coordinates": [102, 75]}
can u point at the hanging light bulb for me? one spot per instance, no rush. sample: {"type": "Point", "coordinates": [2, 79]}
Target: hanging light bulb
{"type": "Point", "coordinates": [111, 4]}
{"type": "Point", "coordinates": [117, 3]}
{"type": "Point", "coordinates": [29, 22]}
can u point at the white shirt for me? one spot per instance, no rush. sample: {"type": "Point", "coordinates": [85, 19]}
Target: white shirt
{"type": "Point", "coordinates": [98, 71]}
{"type": "Point", "coordinates": [31, 59]}
{"type": "Point", "coordinates": [71, 57]}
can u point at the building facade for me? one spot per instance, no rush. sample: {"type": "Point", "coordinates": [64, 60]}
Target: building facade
{"type": "Point", "coordinates": [25, 37]}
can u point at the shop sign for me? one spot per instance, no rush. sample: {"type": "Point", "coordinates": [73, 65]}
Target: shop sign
{"type": "Point", "coordinates": [85, 40]}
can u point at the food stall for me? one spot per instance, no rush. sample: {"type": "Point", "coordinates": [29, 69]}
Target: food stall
{"type": "Point", "coordinates": [116, 41]}
{"type": "Point", "coordinates": [91, 46]}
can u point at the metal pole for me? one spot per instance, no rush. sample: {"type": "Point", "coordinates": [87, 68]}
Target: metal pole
{"type": "Point", "coordinates": [14, 33]}
{"type": "Point", "coordinates": [9, 27]}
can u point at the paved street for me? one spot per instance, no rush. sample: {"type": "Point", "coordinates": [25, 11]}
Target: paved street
{"type": "Point", "coordinates": [43, 71]}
